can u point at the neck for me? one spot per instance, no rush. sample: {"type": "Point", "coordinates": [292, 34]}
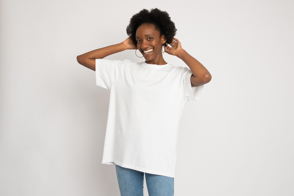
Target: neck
{"type": "Point", "coordinates": [157, 61]}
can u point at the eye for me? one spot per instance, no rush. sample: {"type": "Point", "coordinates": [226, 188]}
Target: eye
{"type": "Point", "coordinates": [138, 41]}
{"type": "Point", "coordinates": [150, 38]}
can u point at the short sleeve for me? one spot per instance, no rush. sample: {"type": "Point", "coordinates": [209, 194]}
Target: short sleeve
{"type": "Point", "coordinates": [190, 93]}
{"type": "Point", "coordinates": [106, 72]}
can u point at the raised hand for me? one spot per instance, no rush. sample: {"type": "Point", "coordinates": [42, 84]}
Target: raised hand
{"type": "Point", "coordinates": [129, 43]}
{"type": "Point", "coordinates": [175, 48]}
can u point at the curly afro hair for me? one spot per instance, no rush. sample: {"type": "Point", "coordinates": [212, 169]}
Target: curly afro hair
{"type": "Point", "coordinates": [159, 18]}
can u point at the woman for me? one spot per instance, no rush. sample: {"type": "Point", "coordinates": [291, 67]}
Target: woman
{"type": "Point", "coordinates": [146, 102]}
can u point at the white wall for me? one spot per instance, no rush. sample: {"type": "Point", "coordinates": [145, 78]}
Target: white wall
{"type": "Point", "coordinates": [237, 140]}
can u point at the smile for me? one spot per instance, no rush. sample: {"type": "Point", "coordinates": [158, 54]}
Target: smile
{"type": "Point", "coordinates": [147, 52]}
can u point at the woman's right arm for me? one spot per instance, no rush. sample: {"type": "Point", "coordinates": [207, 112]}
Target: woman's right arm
{"type": "Point", "coordinates": [88, 59]}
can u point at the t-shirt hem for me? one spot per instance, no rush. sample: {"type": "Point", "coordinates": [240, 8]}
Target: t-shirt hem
{"type": "Point", "coordinates": [150, 171]}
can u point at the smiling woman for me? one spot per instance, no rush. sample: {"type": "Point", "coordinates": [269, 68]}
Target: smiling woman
{"type": "Point", "coordinates": [150, 31]}
{"type": "Point", "coordinates": [150, 43]}
{"type": "Point", "coordinates": [147, 99]}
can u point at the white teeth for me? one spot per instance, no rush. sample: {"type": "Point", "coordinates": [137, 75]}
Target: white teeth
{"type": "Point", "coordinates": [148, 50]}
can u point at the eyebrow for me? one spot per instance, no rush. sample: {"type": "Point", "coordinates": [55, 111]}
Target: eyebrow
{"type": "Point", "coordinates": [145, 35]}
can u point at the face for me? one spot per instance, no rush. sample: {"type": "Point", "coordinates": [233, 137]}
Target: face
{"type": "Point", "coordinates": [148, 38]}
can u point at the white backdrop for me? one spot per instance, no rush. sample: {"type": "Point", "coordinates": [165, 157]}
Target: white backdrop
{"type": "Point", "coordinates": [237, 140]}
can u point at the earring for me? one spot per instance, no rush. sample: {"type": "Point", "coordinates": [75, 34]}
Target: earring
{"type": "Point", "coordinates": [137, 55]}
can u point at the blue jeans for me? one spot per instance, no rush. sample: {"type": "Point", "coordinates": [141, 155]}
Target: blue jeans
{"type": "Point", "coordinates": [131, 183]}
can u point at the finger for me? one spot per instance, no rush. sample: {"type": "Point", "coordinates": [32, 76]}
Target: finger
{"type": "Point", "coordinates": [173, 44]}
{"type": "Point", "coordinates": [175, 40]}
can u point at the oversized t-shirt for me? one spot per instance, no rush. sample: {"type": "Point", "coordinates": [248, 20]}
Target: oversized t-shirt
{"type": "Point", "coordinates": [146, 103]}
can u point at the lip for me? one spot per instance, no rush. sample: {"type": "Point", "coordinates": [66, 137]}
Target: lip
{"type": "Point", "coordinates": [147, 54]}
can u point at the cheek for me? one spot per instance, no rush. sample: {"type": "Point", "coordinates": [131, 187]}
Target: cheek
{"type": "Point", "coordinates": [157, 45]}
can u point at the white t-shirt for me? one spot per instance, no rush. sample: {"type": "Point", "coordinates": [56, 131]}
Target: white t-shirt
{"type": "Point", "coordinates": [145, 107]}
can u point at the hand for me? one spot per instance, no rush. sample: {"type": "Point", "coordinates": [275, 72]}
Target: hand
{"type": "Point", "coordinates": [129, 43]}
{"type": "Point", "coordinates": [175, 49]}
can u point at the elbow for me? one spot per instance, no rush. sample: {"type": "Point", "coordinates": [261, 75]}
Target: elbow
{"type": "Point", "coordinates": [207, 78]}
{"type": "Point", "coordinates": [79, 59]}
{"type": "Point", "coordinates": [89, 63]}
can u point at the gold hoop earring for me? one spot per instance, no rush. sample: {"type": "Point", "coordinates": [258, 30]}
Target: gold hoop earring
{"type": "Point", "coordinates": [136, 54]}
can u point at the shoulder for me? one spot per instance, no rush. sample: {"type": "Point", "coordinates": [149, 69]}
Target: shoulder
{"type": "Point", "coordinates": [129, 62]}
{"type": "Point", "coordinates": [182, 69]}
{"type": "Point", "coordinates": [186, 70]}
{"type": "Point", "coordinates": [122, 63]}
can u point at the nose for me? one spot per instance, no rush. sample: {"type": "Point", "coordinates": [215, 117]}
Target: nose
{"type": "Point", "coordinates": [144, 45]}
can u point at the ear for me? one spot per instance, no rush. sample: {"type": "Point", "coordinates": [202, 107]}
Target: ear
{"type": "Point", "coordinates": [163, 40]}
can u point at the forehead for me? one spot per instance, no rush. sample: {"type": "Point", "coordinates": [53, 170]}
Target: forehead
{"type": "Point", "coordinates": [146, 29]}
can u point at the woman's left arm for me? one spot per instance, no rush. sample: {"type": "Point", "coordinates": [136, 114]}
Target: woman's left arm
{"type": "Point", "coordinates": [200, 74]}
